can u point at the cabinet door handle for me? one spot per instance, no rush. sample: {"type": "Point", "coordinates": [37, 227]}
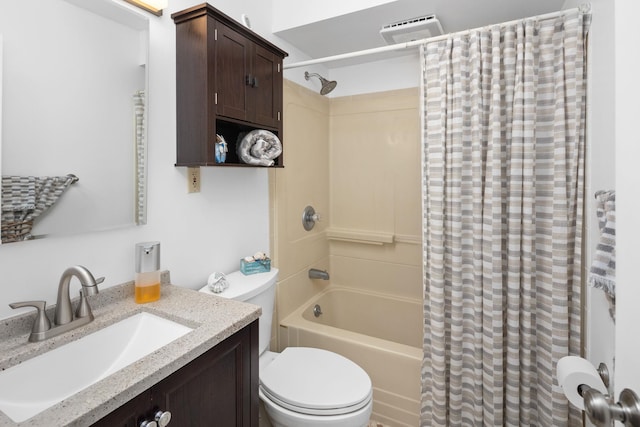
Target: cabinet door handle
{"type": "Point", "coordinates": [163, 418]}
{"type": "Point", "coordinates": [147, 423]}
{"type": "Point", "coordinates": [250, 80]}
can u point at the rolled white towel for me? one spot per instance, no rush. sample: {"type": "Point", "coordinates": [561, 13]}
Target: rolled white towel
{"type": "Point", "coordinates": [259, 147]}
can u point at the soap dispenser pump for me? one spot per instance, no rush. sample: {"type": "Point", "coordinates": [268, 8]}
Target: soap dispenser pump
{"type": "Point", "coordinates": [147, 283]}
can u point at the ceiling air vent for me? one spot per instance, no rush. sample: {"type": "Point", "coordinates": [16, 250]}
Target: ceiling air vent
{"type": "Point", "coordinates": [412, 29]}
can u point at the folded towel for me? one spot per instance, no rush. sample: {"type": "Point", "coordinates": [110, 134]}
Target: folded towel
{"type": "Point", "coordinates": [603, 269]}
{"type": "Point", "coordinates": [259, 147]}
{"type": "Point", "coordinates": [24, 198]}
{"type": "Point", "coordinates": [19, 193]}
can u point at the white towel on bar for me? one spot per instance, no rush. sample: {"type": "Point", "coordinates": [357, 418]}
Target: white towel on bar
{"type": "Point", "coordinates": [603, 269]}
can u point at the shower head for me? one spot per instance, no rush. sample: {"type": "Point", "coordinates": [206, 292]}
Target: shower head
{"type": "Point", "coordinates": [327, 86]}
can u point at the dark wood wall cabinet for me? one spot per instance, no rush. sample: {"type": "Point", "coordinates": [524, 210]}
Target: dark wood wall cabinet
{"type": "Point", "coordinates": [228, 82]}
{"type": "Point", "coordinates": [218, 388]}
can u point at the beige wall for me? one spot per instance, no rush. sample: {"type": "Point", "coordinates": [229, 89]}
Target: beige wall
{"type": "Point", "coordinates": [303, 181]}
{"type": "Point", "coordinates": [356, 160]}
{"type": "Point", "coordinates": [375, 193]}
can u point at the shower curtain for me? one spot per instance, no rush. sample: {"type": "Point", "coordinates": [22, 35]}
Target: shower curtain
{"type": "Point", "coordinates": [503, 158]}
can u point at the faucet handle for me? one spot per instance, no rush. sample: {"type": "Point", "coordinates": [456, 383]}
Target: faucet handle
{"type": "Point", "coordinates": [99, 280]}
{"type": "Point", "coordinates": [83, 309]}
{"type": "Point", "coordinates": [41, 322]}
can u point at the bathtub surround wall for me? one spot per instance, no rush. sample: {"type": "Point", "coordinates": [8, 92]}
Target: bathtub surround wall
{"type": "Point", "coordinates": [375, 225]}
{"type": "Point", "coordinates": [302, 182]}
{"type": "Point", "coordinates": [356, 160]}
{"type": "Point", "coordinates": [375, 220]}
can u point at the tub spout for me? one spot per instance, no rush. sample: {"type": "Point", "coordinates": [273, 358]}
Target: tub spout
{"type": "Point", "coordinates": [314, 273]}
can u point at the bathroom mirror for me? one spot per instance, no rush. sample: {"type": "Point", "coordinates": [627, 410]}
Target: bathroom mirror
{"type": "Point", "coordinates": [74, 80]}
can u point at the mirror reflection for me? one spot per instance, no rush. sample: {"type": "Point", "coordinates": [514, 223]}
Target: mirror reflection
{"type": "Point", "coordinates": [73, 103]}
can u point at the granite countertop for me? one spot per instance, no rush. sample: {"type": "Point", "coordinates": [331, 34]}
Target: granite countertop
{"type": "Point", "coordinates": [212, 318]}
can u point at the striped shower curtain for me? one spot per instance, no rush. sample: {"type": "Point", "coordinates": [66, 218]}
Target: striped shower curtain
{"type": "Point", "coordinates": [503, 157]}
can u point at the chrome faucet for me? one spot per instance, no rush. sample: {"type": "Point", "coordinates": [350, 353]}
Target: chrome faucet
{"type": "Point", "coordinates": [64, 318]}
{"type": "Point", "coordinates": [64, 314]}
{"type": "Point", "coordinates": [314, 273]}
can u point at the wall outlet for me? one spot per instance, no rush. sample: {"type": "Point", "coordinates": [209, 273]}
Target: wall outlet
{"type": "Point", "coordinates": [193, 180]}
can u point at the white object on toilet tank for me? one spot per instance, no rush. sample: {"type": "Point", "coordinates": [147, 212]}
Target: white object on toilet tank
{"type": "Point", "coordinates": [258, 289]}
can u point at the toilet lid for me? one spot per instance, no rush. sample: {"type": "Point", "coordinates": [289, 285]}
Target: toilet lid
{"type": "Point", "coordinates": [315, 381]}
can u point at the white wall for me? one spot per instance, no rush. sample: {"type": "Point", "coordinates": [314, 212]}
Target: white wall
{"type": "Point", "coordinates": [399, 73]}
{"type": "Point", "coordinates": [614, 94]}
{"type": "Point", "coordinates": [200, 233]}
{"type": "Point", "coordinates": [613, 158]}
{"type": "Point", "coordinates": [599, 339]}
{"type": "Point", "coordinates": [627, 91]}
{"type": "Point", "coordinates": [294, 13]}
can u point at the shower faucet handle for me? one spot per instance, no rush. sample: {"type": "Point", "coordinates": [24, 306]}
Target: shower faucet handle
{"type": "Point", "coordinates": [309, 218]}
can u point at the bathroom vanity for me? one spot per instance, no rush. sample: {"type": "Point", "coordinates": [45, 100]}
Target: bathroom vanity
{"type": "Point", "coordinates": [216, 388]}
{"type": "Point", "coordinates": [207, 376]}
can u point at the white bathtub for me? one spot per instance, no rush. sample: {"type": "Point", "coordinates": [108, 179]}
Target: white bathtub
{"type": "Point", "coordinates": [381, 333]}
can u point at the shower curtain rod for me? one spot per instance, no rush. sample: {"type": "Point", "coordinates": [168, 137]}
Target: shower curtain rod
{"type": "Point", "coordinates": [584, 8]}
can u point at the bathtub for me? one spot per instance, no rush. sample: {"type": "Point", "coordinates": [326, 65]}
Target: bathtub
{"type": "Point", "coordinates": [381, 333]}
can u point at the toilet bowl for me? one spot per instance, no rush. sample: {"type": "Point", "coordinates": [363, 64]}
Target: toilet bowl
{"type": "Point", "coordinates": [301, 386]}
{"type": "Point", "coordinates": [313, 387]}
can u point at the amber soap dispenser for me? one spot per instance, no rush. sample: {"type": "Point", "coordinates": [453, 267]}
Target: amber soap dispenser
{"type": "Point", "coordinates": [147, 284]}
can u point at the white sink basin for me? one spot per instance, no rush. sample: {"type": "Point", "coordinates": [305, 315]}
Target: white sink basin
{"type": "Point", "coordinates": [39, 383]}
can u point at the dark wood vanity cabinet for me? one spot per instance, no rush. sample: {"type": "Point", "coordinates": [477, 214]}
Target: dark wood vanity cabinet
{"type": "Point", "coordinates": [228, 82]}
{"type": "Point", "coordinates": [218, 388]}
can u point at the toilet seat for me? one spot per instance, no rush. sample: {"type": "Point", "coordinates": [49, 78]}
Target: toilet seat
{"type": "Point", "coordinates": [315, 382]}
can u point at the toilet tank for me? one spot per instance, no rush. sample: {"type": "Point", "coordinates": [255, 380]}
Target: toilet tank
{"type": "Point", "coordinates": [258, 289]}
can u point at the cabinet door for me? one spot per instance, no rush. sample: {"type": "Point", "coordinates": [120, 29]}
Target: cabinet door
{"type": "Point", "coordinates": [131, 414]}
{"type": "Point", "coordinates": [233, 71]}
{"type": "Point", "coordinates": [219, 388]}
{"type": "Point", "coordinates": [266, 92]}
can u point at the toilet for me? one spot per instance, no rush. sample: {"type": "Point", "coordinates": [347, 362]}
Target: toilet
{"type": "Point", "coordinates": [301, 386]}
